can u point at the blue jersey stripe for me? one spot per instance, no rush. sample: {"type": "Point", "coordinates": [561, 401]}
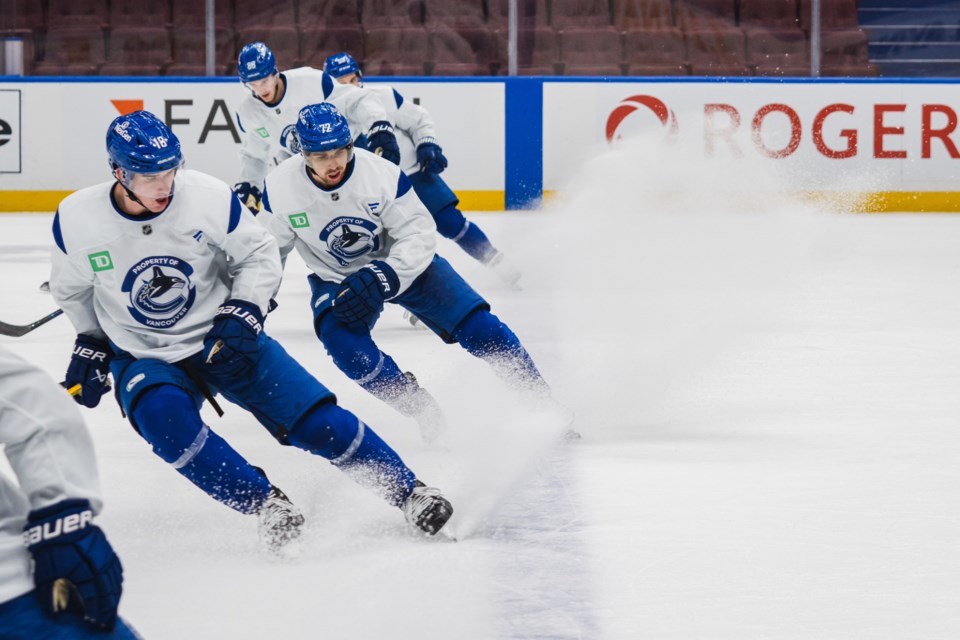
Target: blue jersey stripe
{"type": "Point", "coordinates": [235, 210]}
{"type": "Point", "coordinates": [265, 200]}
{"type": "Point", "coordinates": [327, 84]}
{"type": "Point", "coordinates": [398, 98]}
{"type": "Point", "coordinates": [403, 184]}
{"type": "Point", "coordinates": [57, 234]}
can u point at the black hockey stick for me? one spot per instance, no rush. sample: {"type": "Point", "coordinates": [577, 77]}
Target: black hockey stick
{"type": "Point", "coordinates": [17, 330]}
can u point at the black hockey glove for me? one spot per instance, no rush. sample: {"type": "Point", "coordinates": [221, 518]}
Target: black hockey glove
{"type": "Point", "coordinates": [89, 366]}
{"type": "Point", "coordinates": [231, 348]}
{"type": "Point", "coordinates": [249, 195]}
{"type": "Point", "coordinates": [75, 568]}
{"type": "Point", "coordinates": [361, 295]}
{"type": "Point", "coordinates": [382, 141]}
{"type": "Point", "coordinates": [430, 158]}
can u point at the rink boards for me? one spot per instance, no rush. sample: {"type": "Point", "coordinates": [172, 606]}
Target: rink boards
{"type": "Point", "coordinates": [893, 144]}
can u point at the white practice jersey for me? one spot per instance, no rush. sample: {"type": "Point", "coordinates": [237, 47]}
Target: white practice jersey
{"type": "Point", "coordinates": [267, 130]}
{"type": "Point", "coordinates": [153, 283]}
{"type": "Point", "coordinates": [51, 453]}
{"type": "Point", "coordinates": [373, 214]}
{"type": "Point", "coordinates": [412, 124]}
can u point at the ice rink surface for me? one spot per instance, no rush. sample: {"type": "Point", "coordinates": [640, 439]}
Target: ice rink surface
{"type": "Point", "coordinates": [770, 410]}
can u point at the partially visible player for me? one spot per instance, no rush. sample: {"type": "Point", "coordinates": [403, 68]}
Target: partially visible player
{"type": "Point", "coordinates": [59, 576]}
{"type": "Point", "coordinates": [267, 115]}
{"type": "Point", "coordinates": [167, 279]}
{"type": "Point", "coordinates": [366, 236]}
{"type": "Point", "coordinates": [422, 159]}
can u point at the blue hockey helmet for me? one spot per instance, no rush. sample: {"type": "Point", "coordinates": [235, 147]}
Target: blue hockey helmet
{"type": "Point", "coordinates": [320, 127]}
{"type": "Point", "coordinates": [255, 62]}
{"type": "Point", "coordinates": [140, 142]}
{"type": "Point", "coordinates": [341, 64]}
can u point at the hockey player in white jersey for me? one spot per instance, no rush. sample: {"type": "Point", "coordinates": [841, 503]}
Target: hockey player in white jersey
{"type": "Point", "coordinates": [167, 279]}
{"type": "Point", "coordinates": [422, 159]}
{"type": "Point", "coordinates": [267, 115]}
{"type": "Point", "coordinates": [363, 232]}
{"type": "Point", "coordinates": [73, 588]}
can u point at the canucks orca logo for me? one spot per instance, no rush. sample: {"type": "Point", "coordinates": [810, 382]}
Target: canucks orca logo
{"type": "Point", "coordinates": [289, 139]}
{"type": "Point", "coordinates": [349, 238]}
{"type": "Point", "coordinates": [160, 291]}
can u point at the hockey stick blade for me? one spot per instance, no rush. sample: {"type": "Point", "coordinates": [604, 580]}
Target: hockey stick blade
{"type": "Point", "coordinates": [17, 330]}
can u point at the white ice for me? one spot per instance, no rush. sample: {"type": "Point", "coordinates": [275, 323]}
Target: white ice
{"type": "Point", "coordinates": [769, 405]}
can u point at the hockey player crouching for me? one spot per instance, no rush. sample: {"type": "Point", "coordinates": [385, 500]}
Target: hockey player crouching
{"type": "Point", "coordinates": [166, 278]}
{"type": "Point", "coordinates": [360, 228]}
{"type": "Point", "coordinates": [77, 578]}
{"type": "Point", "coordinates": [267, 115]}
{"type": "Point", "coordinates": [422, 159]}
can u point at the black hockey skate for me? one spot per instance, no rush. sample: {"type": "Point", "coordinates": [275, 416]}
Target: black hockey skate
{"type": "Point", "coordinates": [280, 521]}
{"type": "Point", "coordinates": [426, 509]}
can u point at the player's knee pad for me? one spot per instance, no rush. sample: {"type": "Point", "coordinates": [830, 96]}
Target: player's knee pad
{"type": "Point", "coordinates": [482, 334]}
{"type": "Point", "coordinates": [134, 377]}
{"type": "Point", "coordinates": [328, 431]}
{"type": "Point", "coordinates": [353, 351]}
{"type": "Point", "coordinates": [168, 418]}
{"type": "Point", "coordinates": [450, 222]}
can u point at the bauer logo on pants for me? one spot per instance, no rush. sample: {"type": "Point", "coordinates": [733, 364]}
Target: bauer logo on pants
{"type": "Point", "coordinates": [10, 146]}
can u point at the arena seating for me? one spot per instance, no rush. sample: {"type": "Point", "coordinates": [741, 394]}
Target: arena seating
{"type": "Point", "coordinates": [443, 37]}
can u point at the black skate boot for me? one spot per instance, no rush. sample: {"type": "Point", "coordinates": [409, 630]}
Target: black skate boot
{"type": "Point", "coordinates": [280, 521]}
{"type": "Point", "coordinates": [426, 509]}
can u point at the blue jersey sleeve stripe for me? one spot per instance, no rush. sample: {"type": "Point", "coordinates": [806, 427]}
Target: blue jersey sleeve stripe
{"type": "Point", "coordinates": [398, 98]}
{"type": "Point", "coordinates": [265, 200]}
{"type": "Point", "coordinates": [240, 124]}
{"type": "Point", "coordinates": [403, 185]}
{"type": "Point", "coordinates": [235, 210]}
{"type": "Point", "coordinates": [57, 234]}
{"type": "Point", "coordinates": [327, 84]}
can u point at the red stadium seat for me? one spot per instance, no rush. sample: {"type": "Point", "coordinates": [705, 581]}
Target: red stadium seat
{"type": "Point", "coordinates": [137, 13]}
{"type": "Point", "coordinates": [844, 47]}
{"type": "Point", "coordinates": [382, 67]}
{"type": "Point", "coordinates": [590, 46]}
{"type": "Point", "coordinates": [463, 46]}
{"type": "Point", "coordinates": [660, 46]}
{"type": "Point", "coordinates": [191, 69]}
{"type": "Point", "coordinates": [721, 48]}
{"type": "Point", "coordinates": [779, 14]}
{"type": "Point", "coordinates": [145, 46]}
{"type": "Point", "coordinates": [193, 13]}
{"type": "Point", "coordinates": [391, 13]}
{"type": "Point", "coordinates": [705, 14]}
{"type": "Point", "coordinates": [580, 13]}
{"type": "Point", "coordinates": [454, 13]}
{"type": "Point", "coordinates": [535, 47]}
{"type": "Point", "coordinates": [774, 49]}
{"type": "Point", "coordinates": [318, 44]}
{"type": "Point", "coordinates": [781, 70]}
{"type": "Point", "coordinates": [81, 46]}
{"type": "Point", "coordinates": [27, 14]}
{"type": "Point", "coordinates": [387, 47]}
{"type": "Point", "coordinates": [629, 15]}
{"type": "Point", "coordinates": [190, 48]}
{"type": "Point", "coordinates": [76, 13]}
{"type": "Point", "coordinates": [849, 70]}
{"type": "Point", "coordinates": [537, 70]}
{"type": "Point", "coordinates": [256, 14]}
{"type": "Point", "coordinates": [324, 14]}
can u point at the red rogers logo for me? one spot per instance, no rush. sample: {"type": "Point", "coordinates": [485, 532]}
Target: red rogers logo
{"type": "Point", "coordinates": [884, 126]}
{"type": "Point", "coordinates": [667, 117]}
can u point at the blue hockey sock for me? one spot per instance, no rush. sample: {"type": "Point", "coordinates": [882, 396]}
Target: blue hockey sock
{"type": "Point", "coordinates": [168, 418]}
{"type": "Point", "coordinates": [341, 437]}
{"type": "Point", "coordinates": [483, 335]}
{"type": "Point", "coordinates": [357, 355]}
{"type": "Point", "coordinates": [451, 224]}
